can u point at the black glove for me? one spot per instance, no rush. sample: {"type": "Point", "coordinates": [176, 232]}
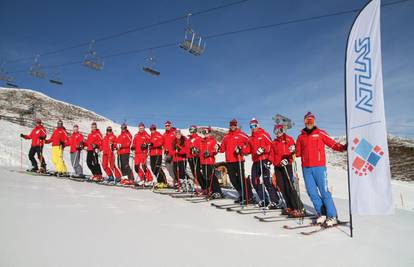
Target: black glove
{"type": "Point", "coordinates": [150, 145]}
{"type": "Point", "coordinates": [42, 138]}
{"type": "Point", "coordinates": [195, 151]}
{"type": "Point", "coordinates": [217, 147]}
{"type": "Point", "coordinates": [144, 146]}
{"type": "Point", "coordinates": [168, 159]}
{"type": "Point", "coordinates": [238, 150]}
{"type": "Point", "coordinates": [177, 148]}
{"type": "Point", "coordinates": [132, 148]}
{"type": "Point", "coordinates": [22, 136]}
{"type": "Point", "coordinates": [79, 148]}
{"type": "Point", "coordinates": [206, 154]}
{"type": "Point", "coordinates": [62, 144]}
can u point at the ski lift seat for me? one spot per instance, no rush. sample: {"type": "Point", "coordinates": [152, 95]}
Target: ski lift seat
{"type": "Point", "coordinates": [193, 43]}
{"type": "Point", "coordinates": [37, 73]}
{"type": "Point", "coordinates": [151, 71]}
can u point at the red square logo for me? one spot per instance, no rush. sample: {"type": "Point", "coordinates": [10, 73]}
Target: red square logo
{"type": "Point", "coordinates": [356, 141]}
{"type": "Point", "coordinates": [377, 149]}
{"type": "Point", "coordinates": [358, 163]}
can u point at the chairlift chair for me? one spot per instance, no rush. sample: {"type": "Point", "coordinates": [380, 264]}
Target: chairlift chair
{"type": "Point", "coordinates": [150, 67]}
{"type": "Point", "coordinates": [36, 70]}
{"type": "Point", "coordinates": [92, 60]}
{"type": "Point", "coordinates": [4, 76]}
{"type": "Point", "coordinates": [12, 85]}
{"type": "Point", "coordinates": [55, 79]}
{"type": "Point", "coordinates": [193, 42]}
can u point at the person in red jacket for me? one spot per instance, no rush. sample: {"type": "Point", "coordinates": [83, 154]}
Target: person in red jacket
{"type": "Point", "coordinates": [108, 156]}
{"type": "Point", "coordinates": [141, 145]}
{"type": "Point", "coordinates": [94, 144]}
{"type": "Point", "coordinates": [169, 136]}
{"type": "Point", "coordinates": [232, 145]}
{"type": "Point", "coordinates": [208, 151]}
{"type": "Point", "coordinates": [59, 139]}
{"type": "Point", "coordinates": [155, 145]}
{"type": "Point", "coordinates": [260, 143]}
{"type": "Point", "coordinates": [281, 154]}
{"type": "Point", "coordinates": [38, 136]}
{"type": "Point", "coordinates": [179, 159]}
{"type": "Point", "coordinates": [193, 156]}
{"type": "Point", "coordinates": [124, 142]}
{"type": "Point", "coordinates": [310, 147]}
{"type": "Point", "coordinates": [75, 142]}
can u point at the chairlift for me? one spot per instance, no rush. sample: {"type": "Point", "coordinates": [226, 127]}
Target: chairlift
{"type": "Point", "coordinates": [56, 79]}
{"type": "Point", "coordinates": [282, 120]}
{"type": "Point", "coordinates": [36, 70]}
{"type": "Point", "coordinates": [91, 59]}
{"type": "Point", "coordinates": [150, 66]}
{"type": "Point", "coordinates": [193, 42]}
{"type": "Point", "coordinates": [12, 85]}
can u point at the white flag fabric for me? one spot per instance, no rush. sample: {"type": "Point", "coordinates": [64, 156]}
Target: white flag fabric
{"type": "Point", "coordinates": [368, 159]}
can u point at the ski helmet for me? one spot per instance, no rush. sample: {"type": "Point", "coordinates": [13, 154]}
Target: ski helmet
{"type": "Point", "coordinates": [253, 123]}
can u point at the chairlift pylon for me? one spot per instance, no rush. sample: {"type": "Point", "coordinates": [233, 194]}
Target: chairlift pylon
{"type": "Point", "coordinates": [56, 79]}
{"type": "Point", "coordinates": [91, 59]}
{"type": "Point", "coordinates": [193, 43]}
{"type": "Point", "coordinates": [36, 70]}
{"type": "Point", "coordinates": [150, 66]}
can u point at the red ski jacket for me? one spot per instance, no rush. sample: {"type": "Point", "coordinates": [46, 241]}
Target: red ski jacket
{"type": "Point", "coordinates": [259, 138]}
{"type": "Point", "coordinates": [109, 144]}
{"type": "Point", "coordinates": [311, 147]}
{"type": "Point", "coordinates": [141, 154]}
{"type": "Point", "coordinates": [74, 141]}
{"type": "Point", "coordinates": [94, 138]}
{"type": "Point", "coordinates": [38, 136]}
{"type": "Point", "coordinates": [59, 136]}
{"type": "Point", "coordinates": [230, 141]}
{"type": "Point", "coordinates": [193, 140]}
{"type": "Point", "coordinates": [180, 149]}
{"type": "Point", "coordinates": [157, 141]}
{"type": "Point", "coordinates": [280, 149]}
{"type": "Point", "coordinates": [208, 144]}
{"type": "Point", "coordinates": [125, 140]}
{"type": "Point", "coordinates": [169, 137]}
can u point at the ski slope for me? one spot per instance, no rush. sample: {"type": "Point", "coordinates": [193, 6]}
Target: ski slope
{"type": "Point", "coordinates": [51, 222]}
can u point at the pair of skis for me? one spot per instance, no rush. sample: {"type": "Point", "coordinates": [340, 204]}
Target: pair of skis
{"type": "Point", "coordinates": [320, 228]}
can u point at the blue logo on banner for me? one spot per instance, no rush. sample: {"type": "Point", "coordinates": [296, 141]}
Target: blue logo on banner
{"type": "Point", "coordinates": [363, 75]}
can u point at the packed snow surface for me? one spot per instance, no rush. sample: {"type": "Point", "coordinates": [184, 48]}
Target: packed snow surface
{"type": "Point", "coordinates": [57, 222]}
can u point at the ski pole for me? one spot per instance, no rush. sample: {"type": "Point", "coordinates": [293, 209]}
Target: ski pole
{"type": "Point", "coordinates": [263, 188]}
{"type": "Point", "coordinates": [21, 154]}
{"type": "Point", "coordinates": [206, 175]}
{"type": "Point", "coordinates": [186, 176]}
{"type": "Point", "coordinates": [241, 182]}
{"type": "Point", "coordinates": [195, 162]}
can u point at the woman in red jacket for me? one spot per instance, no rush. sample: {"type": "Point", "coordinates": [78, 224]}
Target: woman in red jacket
{"type": "Point", "coordinates": [94, 144]}
{"type": "Point", "coordinates": [179, 159]}
{"type": "Point", "coordinates": [281, 154]}
{"type": "Point", "coordinates": [59, 139]}
{"type": "Point", "coordinates": [75, 142]}
{"type": "Point", "coordinates": [38, 136]}
{"type": "Point", "coordinates": [108, 156]}
{"type": "Point", "coordinates": [140, 145]}
{"type": "Point", "coordinates": [310, 146]}
{"type": "Point", "coordinates": [208, 151]}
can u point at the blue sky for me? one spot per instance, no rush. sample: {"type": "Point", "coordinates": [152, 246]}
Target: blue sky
{"type": "Point", "coordinates": [289, 70]}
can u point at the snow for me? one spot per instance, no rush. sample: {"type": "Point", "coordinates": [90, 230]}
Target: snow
{"type": "Point", "coordinates": [51, 222]}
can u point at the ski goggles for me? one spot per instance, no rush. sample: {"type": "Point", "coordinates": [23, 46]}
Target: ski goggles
{"type": "Point", "coordinates": [192, 129]}
{"type": "Point", "coordinates": [253, 126]}
{"type": "Point", "coordinates": [206, 131]}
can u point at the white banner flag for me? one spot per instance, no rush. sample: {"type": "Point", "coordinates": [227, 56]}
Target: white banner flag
{"type": "Point", "coordinates": [368, 159]}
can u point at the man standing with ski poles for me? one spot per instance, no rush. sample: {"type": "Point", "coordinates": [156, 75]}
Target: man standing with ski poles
{"type": "Point", "coordinates": [310, 146]}
{"type": "Point", "coordinates": [169, 136]}
{"type": "Point", "coordinates": [232, 145]}
{"type": "Point", "coordinates": [38, 136]}
{"type": "Point", "coordinates": [259, 147]}
{"type": "Point", "coordinates": [155, 146]}
{"type": "Point", "coordinates": [59, 139]}
{"type": "Point", "coordinates": [94, 143]}
{"type": "Point", "coordinates": [281, 154]}
{"type": "Point", "coordinates": [193, 158]}
{"type": "Point", "coordinates": [75, 142]}
{"type": "Point", "coordinates": [108, 157]}
{"type": "Point", "coordinates": [140, 144]}
{"type": "Point", "coordinates": [123, 145]}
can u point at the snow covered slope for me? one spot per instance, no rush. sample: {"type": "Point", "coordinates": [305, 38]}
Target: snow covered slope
{"type": "Point", "coordinates": [51, 222]}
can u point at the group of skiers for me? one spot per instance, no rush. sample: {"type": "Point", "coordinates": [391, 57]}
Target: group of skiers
{"type": "Point", "coordinates": [173, 151]}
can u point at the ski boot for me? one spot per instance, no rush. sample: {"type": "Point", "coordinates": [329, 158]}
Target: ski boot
{"type": "Point", "coordinates": [330, 222]}
{"type": "Point", "coordinates": [272, 206]}
{"type": "Point", "coordinates": [320, 220]}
